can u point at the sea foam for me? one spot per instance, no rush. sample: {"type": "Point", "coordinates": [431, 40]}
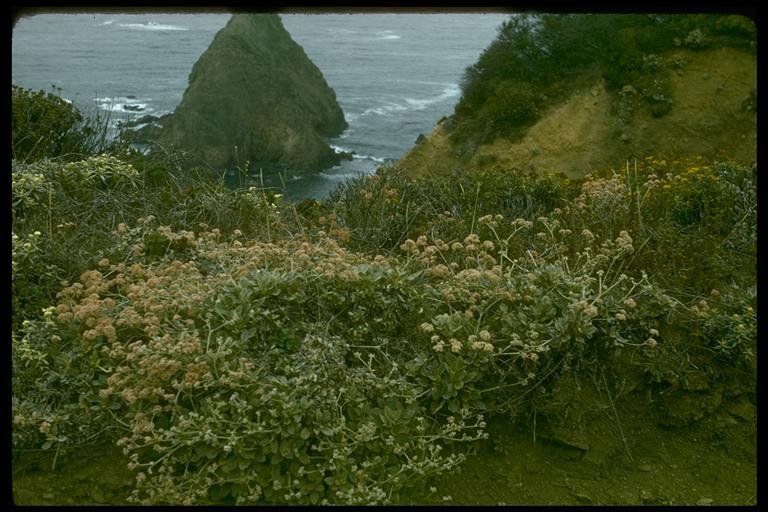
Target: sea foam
{"type": "Point", "coordinates": [124, 104]}
{"type": "Point", "coordinates": [356, 156]}
{"type": "Point", "coordinates": [385, 35]}
{"type": "Point", "coordinates": [449, 91]}
{"type": "Point", "coordinates": [150, 26]}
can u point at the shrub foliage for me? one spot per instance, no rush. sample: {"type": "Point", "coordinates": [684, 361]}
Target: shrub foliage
{"type": "Point", "coordinates": [43, 125]}
{"type": "Point", "coordinates": [244, 350]}
{"type": "Point", "coordinates": [537, 59]}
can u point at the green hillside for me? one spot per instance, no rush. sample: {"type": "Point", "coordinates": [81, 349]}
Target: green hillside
{"type": "Point", "coordinates": [577, 93]}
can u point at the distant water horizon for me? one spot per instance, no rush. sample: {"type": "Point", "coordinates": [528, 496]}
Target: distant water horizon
{"type": "Point", "coordinates": [394, 74]}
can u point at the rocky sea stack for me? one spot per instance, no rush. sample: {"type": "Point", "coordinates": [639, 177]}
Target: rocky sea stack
{"type": "Point", "coordinates": [255, 97]}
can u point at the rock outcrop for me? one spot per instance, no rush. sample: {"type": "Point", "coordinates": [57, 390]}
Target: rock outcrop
{"type": "Point", "coordinates": [255, 97]}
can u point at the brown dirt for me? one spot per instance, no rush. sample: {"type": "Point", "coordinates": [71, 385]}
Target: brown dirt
{"type": "Point", "coordinates": [687, 446]}
{"type": "Point", "coordinates": [582, 134]}
{"type": "Point", "coordinates": [583, 459]}
{"type": "Point", "coordinates": [91, 475]}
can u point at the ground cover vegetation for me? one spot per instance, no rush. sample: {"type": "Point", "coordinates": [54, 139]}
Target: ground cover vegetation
{"type": "Point", "coordinates": [537, 60]}
{"type": "Point", "coordinates": [241, 349]}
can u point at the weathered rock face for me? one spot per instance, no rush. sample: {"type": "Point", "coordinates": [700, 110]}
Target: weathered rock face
{"type": "Point", "coordinates": [254, 96]}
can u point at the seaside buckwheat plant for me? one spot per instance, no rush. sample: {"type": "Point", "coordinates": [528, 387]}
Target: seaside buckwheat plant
{"type": "Point", "coordinates": [252, 372]}
{"type": "Point", "coordinates": [499, 326]}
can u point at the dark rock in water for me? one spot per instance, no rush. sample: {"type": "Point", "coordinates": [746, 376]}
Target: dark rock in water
{"type": "Point", "coordinates": [131, 97]}
{"type": "Point", "coordinates": [149, 118]}
{"type": "Point", "coordinates": [142, 130]}
{"type": "Point", "coordinates": [345, 155]}
{"type": "Point", "coordinates": [254, 96]}
{"type": "Point", "coordinates": [133, 108]}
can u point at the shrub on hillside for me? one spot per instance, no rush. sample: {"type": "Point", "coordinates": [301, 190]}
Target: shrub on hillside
{"type": "Point", "coordinates": [43, 125]}
{"type": "Point", "coordinates": [242, 353]}
{"type": "Point", "coordinates": [76, 206]}
{"type": "Point", "coordinates": [380, 212]}
{"type": "Point", "coordinates": [228, 363]}
{"type": "Point", "coordinates": [549, 53]}
{"type": "Point", "coordinates": [300, 372]}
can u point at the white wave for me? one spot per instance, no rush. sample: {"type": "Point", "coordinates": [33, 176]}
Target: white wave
{"type": "Point", "coordinates": [385, 109]}
{"type": "Point", "coordinates": [341, 176]}
{"type": "Point", "coordinates": [451, 91]}
{"type": "Point", "coordinates": [121, 99]}
{"type": "Point", "coordinates": [384, 35]}
{"type": "Point", "coordinates": [448, 92]}
{"type": "Point", "coordinates": [339, 149]}
{"type": "Point", "coordinates": [108, 22]}
{"type": "Point", "coordinates": [355, 156]}
{"type": "Point", "coordinates": [150, 26]}
{"type": "Point", "coordinates": [422, 82]}
{"type": "Point", "coordinates": [139, 126]}
{"type": "Point", "coordinates": [369, 157]}
{"type": "Point", "coordinates": [124, 104]}
{"type": "Point", "coordinates": [377, 111]}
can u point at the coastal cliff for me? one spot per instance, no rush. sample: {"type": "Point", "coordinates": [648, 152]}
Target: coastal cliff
{"type": "Point", "coordinates": [254, 98]}
{"type": "Point", "coordinates": [696, 96]}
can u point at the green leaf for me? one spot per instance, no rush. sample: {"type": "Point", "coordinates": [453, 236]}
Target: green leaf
{"type": "Point", "coordinates": [207, 451]}
{"type": "Point", "coordinates": [229, 465]}
{"type": "Point", "coordinates": [217, 492]}
{"type": "Point", "coordinates": [247, 334]}
{"type": "Point", "coordinates": [286, 450]}
{"type": "Point", "coordinates": [414, 276]}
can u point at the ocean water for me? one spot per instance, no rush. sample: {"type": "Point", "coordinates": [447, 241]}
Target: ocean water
{"type": "Point", "coordinates": [395, 74]}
